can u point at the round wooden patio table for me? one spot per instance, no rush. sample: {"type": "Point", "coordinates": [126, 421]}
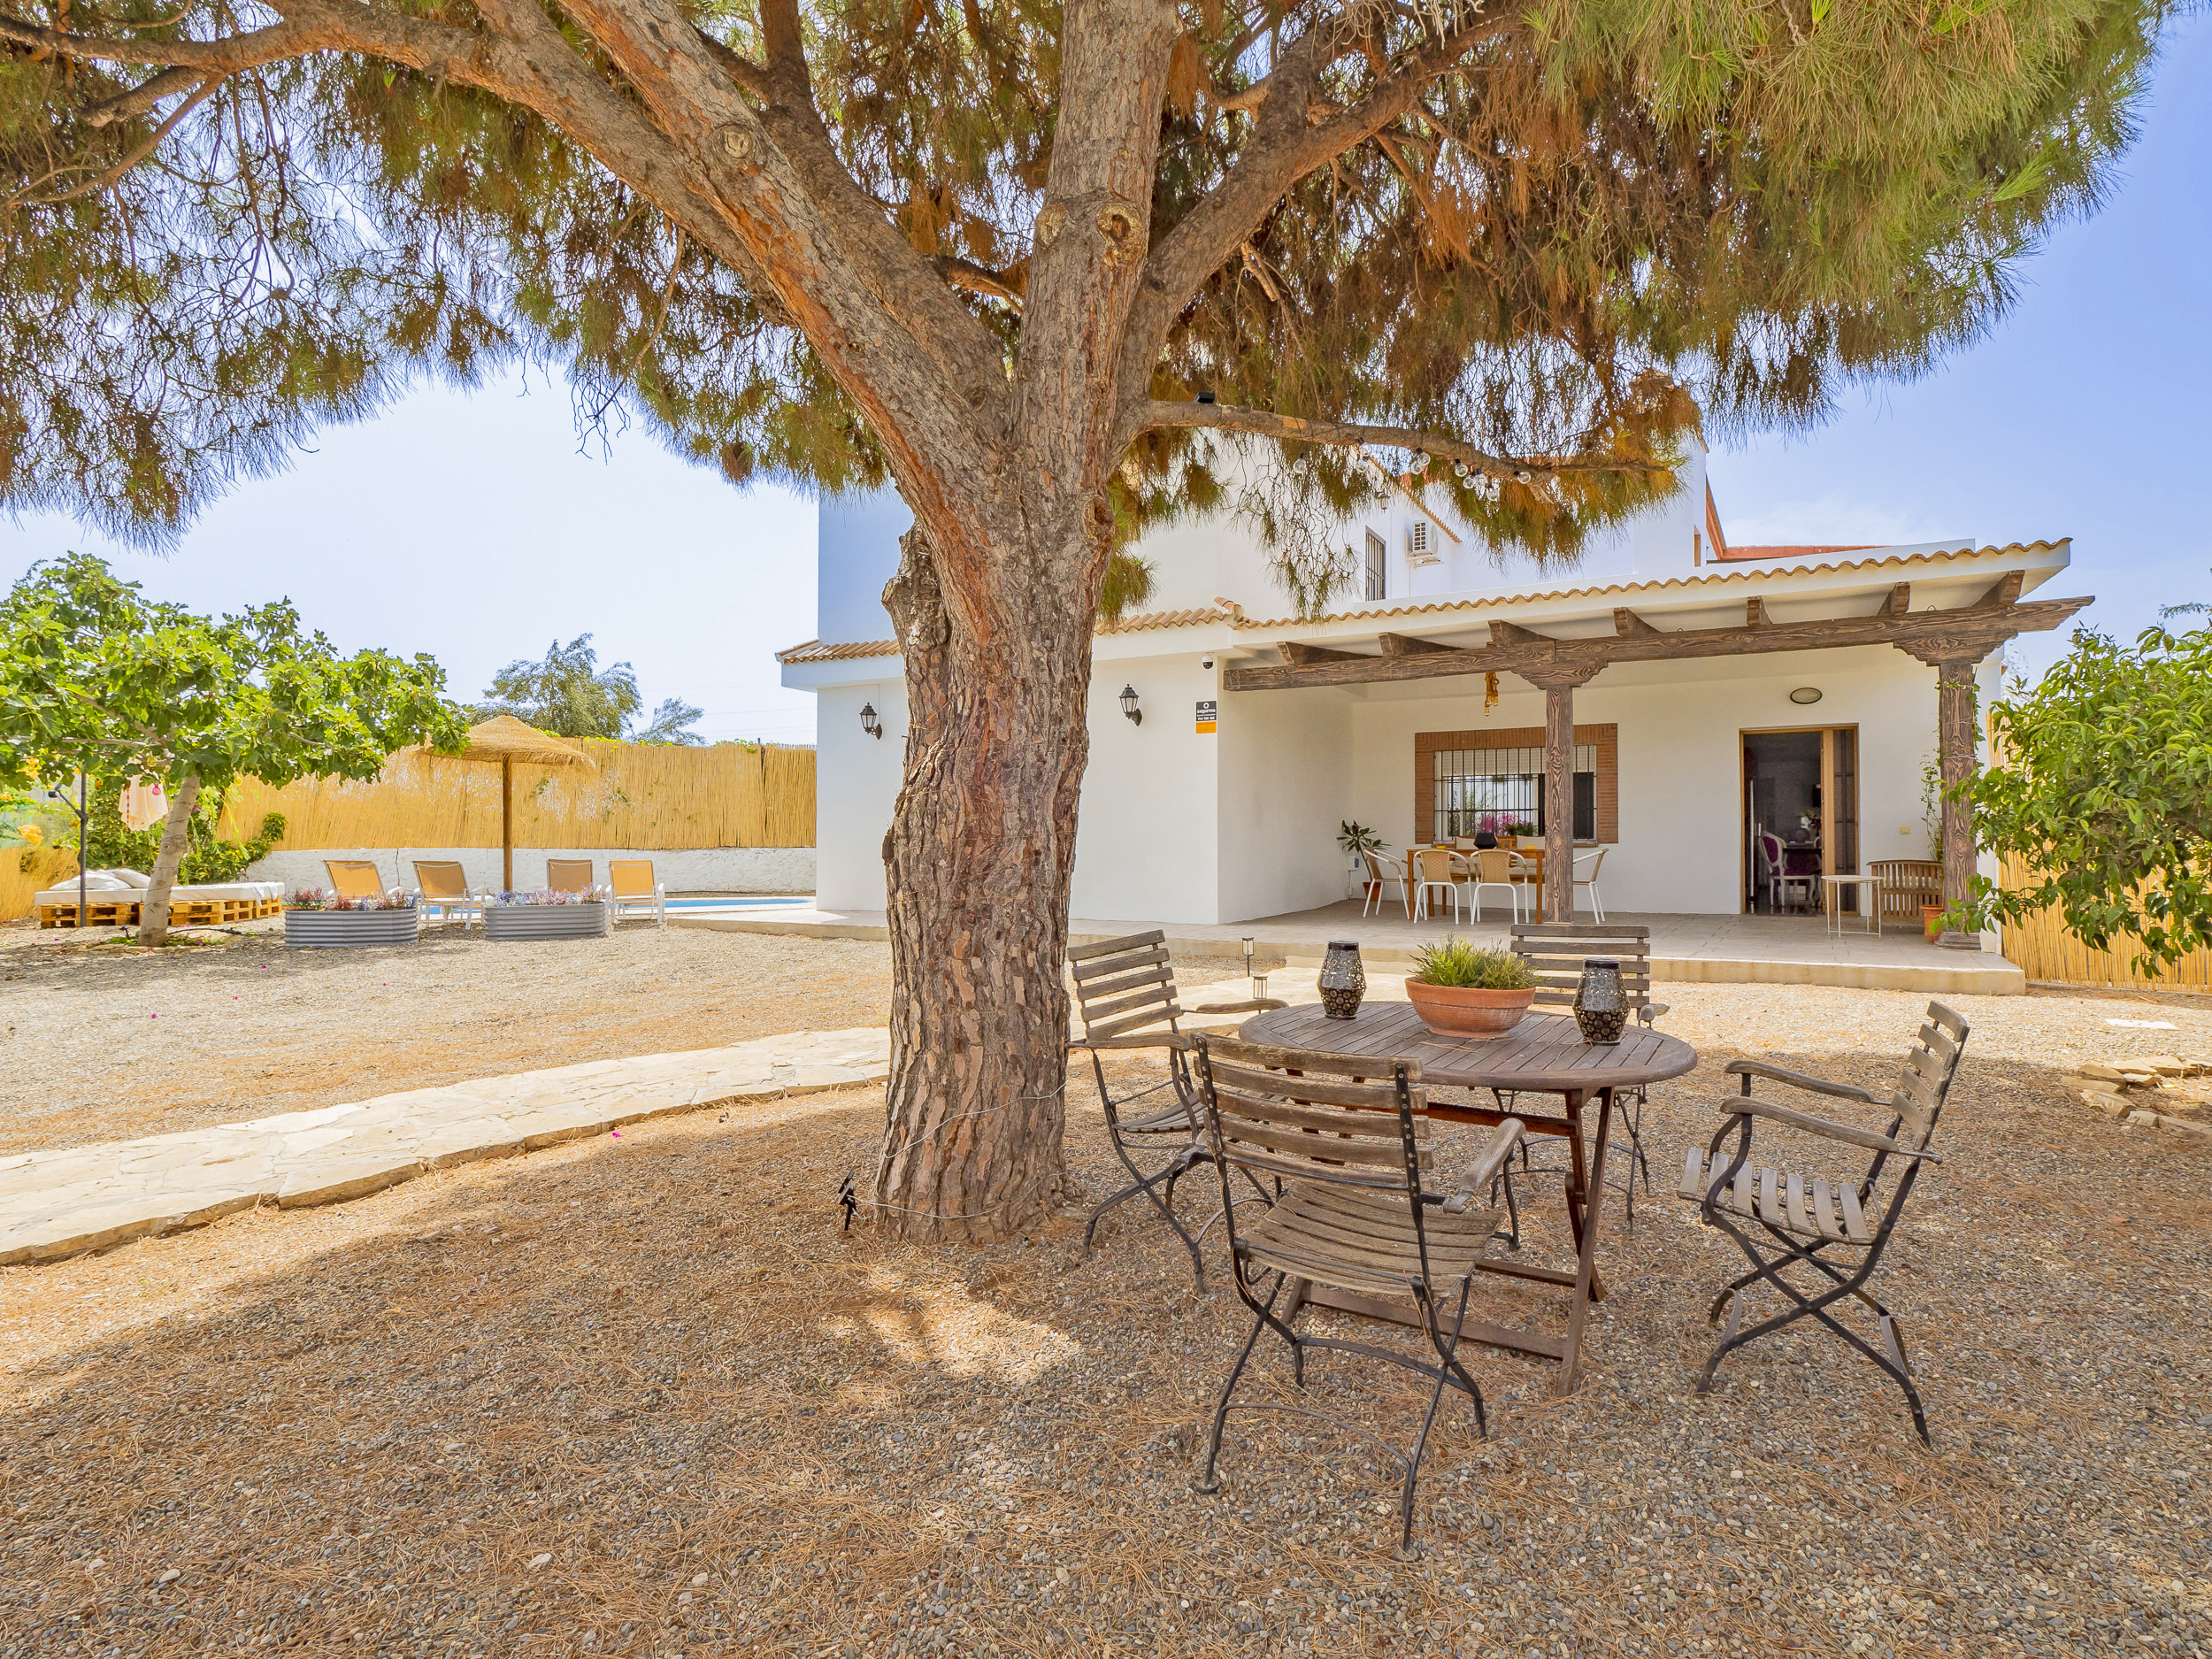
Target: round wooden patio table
{"type": "Point", "coordinates": [1543, 1055]}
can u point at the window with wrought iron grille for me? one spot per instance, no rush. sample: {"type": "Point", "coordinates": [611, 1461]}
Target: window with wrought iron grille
{"type": "Point", "coordinates": [1375, 551]}
{"type": "Point", "coordinates": [1490, 789]}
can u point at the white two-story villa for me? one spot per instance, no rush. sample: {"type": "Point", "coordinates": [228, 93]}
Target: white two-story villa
{"type": "Point", "coordinates": [1262, 732]}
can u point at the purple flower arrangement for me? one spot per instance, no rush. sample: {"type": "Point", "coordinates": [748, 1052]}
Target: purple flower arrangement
{"type": "Point", "coordinates": [316, 899]}
{"type": "Point", "coordinates": [548, 895]}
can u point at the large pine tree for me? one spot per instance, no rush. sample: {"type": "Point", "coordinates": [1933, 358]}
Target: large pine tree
{"type": "Point", "coordinates": [991, 252]}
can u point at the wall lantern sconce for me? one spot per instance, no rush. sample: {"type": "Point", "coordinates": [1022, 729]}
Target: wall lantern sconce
{"type": "Point", "coordinates": [868, 721]}
{"type": "Point", "coordinates": [1806, 694]}
{"type": "Point", "coordinates": [1129, 706]}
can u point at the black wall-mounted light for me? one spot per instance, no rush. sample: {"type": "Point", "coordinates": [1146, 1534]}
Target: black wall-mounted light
{"type": "Point", "coordinates": [868, 721]}
{"type": "Point", "coordinates": [1805, 694]}
{"type": "Point", "coordinates": [1129, 706]}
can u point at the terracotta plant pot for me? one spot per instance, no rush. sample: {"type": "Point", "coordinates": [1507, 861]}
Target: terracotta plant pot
{"type": "Point", "coordinates": [1453, 1010]}
{"type": "Point", "coordinates": [1931, 921]}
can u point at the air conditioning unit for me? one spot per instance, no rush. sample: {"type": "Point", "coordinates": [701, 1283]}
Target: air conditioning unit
{"type": "Point", "coordinates": [1419, 548]}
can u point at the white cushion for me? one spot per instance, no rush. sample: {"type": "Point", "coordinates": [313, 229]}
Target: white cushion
{"type": "Point", "coordinates": [130, 877]}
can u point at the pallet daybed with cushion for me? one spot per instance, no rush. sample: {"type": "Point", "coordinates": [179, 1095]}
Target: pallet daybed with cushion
{"type": "Point", "coordinates": [113, 898]}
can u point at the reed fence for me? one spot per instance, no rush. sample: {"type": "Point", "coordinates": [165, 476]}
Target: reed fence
{"type": "Point", "coordinates": [2044, 948]}
{"type": "Point", "coordinates": [25, 874]}
{"type": "Point", "coordinates": [646, 796]}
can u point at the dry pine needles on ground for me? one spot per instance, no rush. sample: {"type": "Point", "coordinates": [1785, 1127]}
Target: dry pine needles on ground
{"type": "Point", "coordinates": [642, 1395]}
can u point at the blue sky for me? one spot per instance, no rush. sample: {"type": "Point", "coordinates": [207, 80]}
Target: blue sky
{"type": "Point", "coordinates": [479, 528]}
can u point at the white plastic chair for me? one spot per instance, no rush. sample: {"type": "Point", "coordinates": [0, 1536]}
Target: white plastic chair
{"type": "Point", "coordinates": [1378, 872]}
{"type": "Point", "coordinates": [1436, 872]}
{"type": "Point", "coordinates": [1585, 875]}
{"type": "Point", "coordinates": [1493, 870]}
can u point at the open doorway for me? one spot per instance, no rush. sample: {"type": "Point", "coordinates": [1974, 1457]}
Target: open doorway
{"type": "Point", "coordinates": [1800, 817]}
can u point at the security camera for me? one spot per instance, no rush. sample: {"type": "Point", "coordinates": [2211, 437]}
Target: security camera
{"type": "Point", "coordinates": [1205, 662]}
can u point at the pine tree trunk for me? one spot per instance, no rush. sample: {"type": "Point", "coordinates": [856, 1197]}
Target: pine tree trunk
{"type": "Point", "coordinates": [153, 910]}
{"type": "Point", "coordinates": [978, 861]}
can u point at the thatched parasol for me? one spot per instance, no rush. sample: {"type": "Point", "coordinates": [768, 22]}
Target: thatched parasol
{"type": "Point", "coordinates": [504, 740]}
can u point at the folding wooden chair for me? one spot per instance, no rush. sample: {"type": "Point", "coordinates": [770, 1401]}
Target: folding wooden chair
{"type": "Point", "coordinates": [1554, 953]}
{"type": "Point", "coordinates": [1126, 988]}
{"type": "Point", "coordinates": [1344, 1139]}
{"type": "Point", "coordinates": [1811, 1224]}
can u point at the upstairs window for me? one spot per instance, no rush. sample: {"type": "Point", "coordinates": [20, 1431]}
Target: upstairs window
{"type": "Point", "coordinates": [1375, 551]}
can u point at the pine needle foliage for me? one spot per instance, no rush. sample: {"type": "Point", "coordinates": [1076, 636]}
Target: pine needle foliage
{"type": "Point", "coordinates": [1597, 229]}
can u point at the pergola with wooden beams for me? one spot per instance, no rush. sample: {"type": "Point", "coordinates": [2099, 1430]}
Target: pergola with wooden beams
{"type": "Point", "coordinates": [1952, 640]}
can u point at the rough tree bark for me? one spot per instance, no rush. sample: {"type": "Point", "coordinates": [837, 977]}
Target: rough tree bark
{"type": "Point", "coordinates": [153, 910]}
{"type": "Point", "coordinates": [978, 858]}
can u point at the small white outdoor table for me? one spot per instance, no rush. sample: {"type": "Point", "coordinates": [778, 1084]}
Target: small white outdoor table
{"type": "Point", "coordinates": [1832, 893]}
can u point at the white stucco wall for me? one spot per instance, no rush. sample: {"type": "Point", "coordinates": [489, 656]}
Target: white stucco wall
{"type": "Point", "coordinates": [856, 786]}
{"type": "Point", "coordinates": [857, 539]}
{"type": "Point", "coordinates": [690, 870]}
{"type": "Point", "coordinates": [1285, 785]}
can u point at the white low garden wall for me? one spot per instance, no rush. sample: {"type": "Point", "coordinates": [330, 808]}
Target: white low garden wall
{"type": "Point", "coordinates": [693, 870]}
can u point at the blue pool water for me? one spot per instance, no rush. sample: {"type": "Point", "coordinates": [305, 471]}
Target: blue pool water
{"type": "Point", "coordinates": [771, 902]}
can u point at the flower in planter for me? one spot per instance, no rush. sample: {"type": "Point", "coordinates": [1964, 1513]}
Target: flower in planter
{"type": "Point", "coordinates": [316, 899]}
{"type": "Point", "coordinates": [548, 896]}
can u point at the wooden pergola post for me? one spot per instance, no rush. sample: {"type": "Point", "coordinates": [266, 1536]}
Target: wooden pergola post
{"type": "Point", "coordinates": [1955, 737]}
{"type": "Point", "coordinates": [1559, 682]}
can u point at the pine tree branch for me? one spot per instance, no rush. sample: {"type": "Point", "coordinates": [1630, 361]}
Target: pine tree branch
{"type": "Point", "coordinates": [1153, 415]}
{"type": "Point", "coordinates": [1297, 132]}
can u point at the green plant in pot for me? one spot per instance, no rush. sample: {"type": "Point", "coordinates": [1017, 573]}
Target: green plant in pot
{"type": "Point", "coordinates": [1462, 990]}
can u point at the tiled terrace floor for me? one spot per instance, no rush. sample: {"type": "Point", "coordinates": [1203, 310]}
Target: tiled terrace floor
{"type": "Point", "coordinates": [1771, 949]}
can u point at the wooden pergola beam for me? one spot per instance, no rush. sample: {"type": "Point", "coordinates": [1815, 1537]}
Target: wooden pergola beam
{"type": "Point", "coordinates": [1626, 622]}
{"type": "Point", "coordinates": [1404, 645]}
{"type": "Point", "coordinates": [1300, 654]}
{"type": "Point", "coordinates": [1960, 633]}
{"type": "Point", "coordinates": [1898, 600]}
{"type": "Point", "coordinates": [2004, 591]}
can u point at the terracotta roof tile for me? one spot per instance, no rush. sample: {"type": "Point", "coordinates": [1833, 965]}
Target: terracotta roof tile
{"type": "Point", "coordinates": [815, 651]}
{"type": "Point", "coordinates": [1715, 579]}
{"type": "Point", "coordinates": [1225, 610]}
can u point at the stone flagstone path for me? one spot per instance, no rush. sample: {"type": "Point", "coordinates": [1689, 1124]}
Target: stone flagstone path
{"type": "Point", "coordinates": [54, 1204]}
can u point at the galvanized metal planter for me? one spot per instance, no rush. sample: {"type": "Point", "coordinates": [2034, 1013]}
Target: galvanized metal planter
{"type": "Point", "coordinates": [353, 927]}
{"type": "Point", "coordinates": [545, 921]}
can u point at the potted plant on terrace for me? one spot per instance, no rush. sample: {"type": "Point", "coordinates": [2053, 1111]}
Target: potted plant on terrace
{"type": "Point", "coordinates": [1361, 843]}
{"type": "Point", "coordinates": [312, 917]}
{"type": "Point", "coordinates": [1461, 991]}
{"type": "Point", "coordinates": [547, 914]}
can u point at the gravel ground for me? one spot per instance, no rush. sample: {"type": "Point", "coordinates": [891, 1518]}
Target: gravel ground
{"type": "Point", "coordinates": [641, 1396]}
{"type": "Point", "coordinates": [104, 1042]}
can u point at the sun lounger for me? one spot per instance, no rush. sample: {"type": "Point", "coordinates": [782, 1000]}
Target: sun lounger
{"type": "Point", "coordinates": [568, 875]}
{"type": "Point", "coordinates": [444, 885]}
{"type": "Point", "coordinates": [354, 878]}
{"type": "Point", "coordinates": [635, 891]}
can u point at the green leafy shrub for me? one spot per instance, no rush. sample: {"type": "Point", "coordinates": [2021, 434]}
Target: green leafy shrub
{"type": "Point", "coordinates": [1459, 964]}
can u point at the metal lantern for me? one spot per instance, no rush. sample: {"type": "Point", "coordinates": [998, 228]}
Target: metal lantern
{"type": "Point", "coordinates": [868, 721]}
{"type": "Point", "coordinates": [1343, 979]}
{"type": "Point", "coordinates": [1129, 706]}
{"type": "Point", "coordinates": [1601, 1005]}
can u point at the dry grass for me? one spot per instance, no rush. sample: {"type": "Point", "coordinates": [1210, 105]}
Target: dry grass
{"type": "Point", "coordinates": [731, 1429]}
